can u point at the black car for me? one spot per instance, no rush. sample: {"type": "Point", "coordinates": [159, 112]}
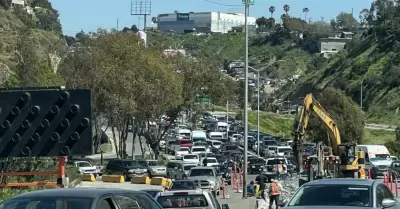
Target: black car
{"type": "Point", "coordinates": [225, 172]}
{"type": "Point", "coordinates": [82, 198]}
{"type": "Point", "coordinates": [256, 165]}
{"type": "Point", "coordinates": [394, 169]}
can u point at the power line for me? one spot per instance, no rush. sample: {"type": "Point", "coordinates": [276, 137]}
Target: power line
{"type": "Point", "coordinates": [220, 4]}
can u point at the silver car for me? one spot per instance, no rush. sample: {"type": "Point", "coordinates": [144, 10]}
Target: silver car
{"type": "Point", "coordinates": [342, 193]}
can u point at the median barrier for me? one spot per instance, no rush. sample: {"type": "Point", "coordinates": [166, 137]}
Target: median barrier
{"type": "Point", "coordinates": [158, 181]}
{"type": "Point", "coordinates": [88, 177]}
{"type": "Point", "coordinates": [113, 178]}
{"type": "Point", "coordinates": [168, 184]}
{"type": "Point", "coordinates": [140, 180]}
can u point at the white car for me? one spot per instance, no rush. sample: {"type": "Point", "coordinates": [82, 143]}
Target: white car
{"type": "Point", "coordinates": [236, 137]}
{"type": "Point", "coordinates": [86, 167]}
{"type": "Point", "coordinates": [212, 161]}
{"type": "Point", "coordinates": [182, 151]}
{"type": "Point", "coordinates": [191, 158]}
{"type": "Point", "coordinates": [198, 150]}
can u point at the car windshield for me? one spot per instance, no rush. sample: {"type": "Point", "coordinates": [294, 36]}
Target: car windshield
{"type": "Point", "coordinates": [257, 161]}
{"type": "Point", "coordinates": [211, 160]}
{"type": "Point", "coordinates": [200, 144]}
{"type": "Point", "coordinates": [84, 164]}
{"type": "Point", "coordinates": [380, 157]}
{"type": "Point", "coordinates": [152, 163]}
{"type": "Point", "coordinates": [152, 193]}
{"type": "Point", "coordinates": [182, 201]}
{"type": "Point", "coordinates": [185, 142]}
{"type": "Point", "coordinates": [184, 149]}
{"type": "Point", "coordinates": [199, 149]}
{"type": "Point", "coordinates": [188, 167]}
{"type": "Point", "coordinates": [190, 157]}
{"type": "Point", "coordinates": [135, 163]}
{"type": "Point", "coordinates": [201, 172]}
{"type": "Point", "coordinates": [333, 195]}
{"type": "Point", "coordinates": [47, 202]}
{"type": "Point", "coordinates": [275, 161]}
{"type": "Point", "coordinates": [270, 142]}
{"type": "Point", "coordinates": [183, 185]}
{"type": "Point", "coordinates": [198, 139]}
{"type": "Point", "coordinates": [280, 150]}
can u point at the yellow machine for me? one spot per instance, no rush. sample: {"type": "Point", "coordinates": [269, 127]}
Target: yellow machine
{"type": "Point", "coordinates": [349, 159]}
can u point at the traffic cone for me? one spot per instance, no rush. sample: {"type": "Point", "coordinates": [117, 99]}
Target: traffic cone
{"type": "Point", "coordinates": [369, 174]}
{"type": "Point", "coordinates": [385, 180]}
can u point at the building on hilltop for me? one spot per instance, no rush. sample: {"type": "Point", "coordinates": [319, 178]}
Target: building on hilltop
{"type": "Point", "coordinates": [201, 22]}
{"type": "Point", "coordinates": [332, 45]}
{"type": "Point", "coordinates": [18, 2]}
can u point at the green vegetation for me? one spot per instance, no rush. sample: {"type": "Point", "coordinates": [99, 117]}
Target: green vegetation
{"type": "Point", "coordinates": [370, 61]}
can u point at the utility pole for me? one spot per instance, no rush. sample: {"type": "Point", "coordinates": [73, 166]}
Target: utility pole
{"type": "Point", "coordinates": [361, 96]}
{"type": "Point", "coordinates": [246, 95]}
{"type": "Point", "coordinates": [227, 119]}
{"type": "Point", "coordinates": [117, 24]}
{"type": "Point", "coordinates": [258, 112]}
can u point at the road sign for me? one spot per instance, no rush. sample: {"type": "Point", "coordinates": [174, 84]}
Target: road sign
{"type": "Point", "coordinates": [45, 122]}
{"type": "Point", "coordinates": [251, 2]}
{"type": "Point", "coordinates": [202, 99]}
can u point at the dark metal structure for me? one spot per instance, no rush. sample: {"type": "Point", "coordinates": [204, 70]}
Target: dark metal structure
{"type": "Point", "coordinates": [50, 121]}
{"type": "Point", "coordinates": [141, 8]}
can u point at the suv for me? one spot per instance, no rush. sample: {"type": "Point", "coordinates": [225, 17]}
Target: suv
{"type": "Point", "coordinates": [126, 168]}
{"type": "Point", "coordinates": [207, 177]}
{"type": "Point", "coordinates": [176, 170]}
{"type": "Point", "coordinates": [189, 199]}
{"type": "Point", "coordinates": [271, 168]}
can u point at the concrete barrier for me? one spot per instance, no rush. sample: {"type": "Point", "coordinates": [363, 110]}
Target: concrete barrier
{"type": "Point", "coordinates": [168, 183]}
{"type": "Point", "coordinates": [140, 180]}
{"type": "Point", "coordinates": [113, 178]}
{"type": "Point", "coordinates": [158, 181]}
{"type": "Point", "coordinates": [88, 177]}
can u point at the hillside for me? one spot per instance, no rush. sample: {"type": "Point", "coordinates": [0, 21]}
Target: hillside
{"type": "Point", "coordinates": [220, 48]}
{"type": "Point", "coordinates": [18, 28]}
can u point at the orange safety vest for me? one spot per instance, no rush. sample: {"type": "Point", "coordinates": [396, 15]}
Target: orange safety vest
{"type": "Point", "coordinates": [362, 173]}
{"type": "Point", "coordinates": [275, 189]}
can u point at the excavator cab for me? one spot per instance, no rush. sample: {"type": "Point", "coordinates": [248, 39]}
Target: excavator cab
{"type": "Point", "coordinates": [348, 154]}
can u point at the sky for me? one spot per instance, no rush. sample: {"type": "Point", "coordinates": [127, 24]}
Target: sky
{"type": "Point", "coordinates": [88, 15]}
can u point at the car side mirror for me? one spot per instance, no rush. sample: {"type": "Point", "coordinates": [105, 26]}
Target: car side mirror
{"type": "Point", "coordinates": [388, 203]}
{"type": "Point", "coordinates": [282, 203]}
{"type": "Point", "coordinates": [225, 206]}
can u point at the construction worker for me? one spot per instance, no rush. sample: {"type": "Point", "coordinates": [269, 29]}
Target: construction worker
{"type": "Point", "coordinates": [205, 161]}
{"type": "Point", "coordinates": [260, 180]}
{"type": "Point", "coordinates": [274, 192]}
{"type": "Point", "coordinates": [280, 169]}
{"type": "Point", "coordinates": [361, 173]}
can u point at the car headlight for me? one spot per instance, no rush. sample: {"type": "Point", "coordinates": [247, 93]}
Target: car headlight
{"type": "Point", "coordinates": [212, 183]}
{"type": "Point", "coordinates": [253, 166]}
{"type": "Point", "coordinates": [131, 171]}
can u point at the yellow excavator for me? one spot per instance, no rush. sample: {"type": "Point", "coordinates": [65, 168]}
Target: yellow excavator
{"type": "Point", "coordinates": [343, 160]}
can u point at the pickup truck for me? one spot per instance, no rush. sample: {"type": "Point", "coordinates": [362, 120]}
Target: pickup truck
{"type": "Point", "coordinates": [207, 177]}
{"type": "Point", "coordinates": [271, 169]}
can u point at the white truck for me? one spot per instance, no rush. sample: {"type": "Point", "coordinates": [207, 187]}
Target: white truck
{"type": "Point", "coordinates": [377, 159]}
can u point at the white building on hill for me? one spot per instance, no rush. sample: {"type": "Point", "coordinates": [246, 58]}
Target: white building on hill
{"type": "Point", "coordinates": [201, 22]}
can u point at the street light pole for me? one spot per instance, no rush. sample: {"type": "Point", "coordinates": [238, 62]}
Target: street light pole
{"type": "Point", "coordinates": [246, 95]}
{"type": "Point", "coordinates": [258, 113]}
{"type": "Point", "coordinates": [361, 96]}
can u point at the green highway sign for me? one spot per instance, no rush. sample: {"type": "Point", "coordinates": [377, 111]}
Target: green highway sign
{"type": "Point", "coordinates": [201, 99]}
{"type": "Point", "coordinates": [251, 2]}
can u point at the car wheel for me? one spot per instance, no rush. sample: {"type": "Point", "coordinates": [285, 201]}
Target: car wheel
{"type": "Point", "coordinates": [184, 177]}
{"type": "Point", "coordinates": [125, 176]}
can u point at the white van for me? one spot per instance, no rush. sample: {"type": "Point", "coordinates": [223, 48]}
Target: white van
{"type": "Point", "coordinates": [216, 135]}
{"type": "Point", "coordinates": [215, 143]}
{"type": "Point", "coordinates": [199, 136]}
{"type": "Point", "coordinates": [185, 133]}
{"type": "Point", "coordinates": [281, 150]}
{"type": "Point", "coordinates": [222, 126]}
{"type": "Point", "coordinates": [377, 159]}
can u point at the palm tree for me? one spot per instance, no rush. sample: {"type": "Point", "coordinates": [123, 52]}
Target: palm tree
{"type": "Point", "coordinates": [286, 8]}
{"type": "Point", "coordinates": [272, 10]}
{"type": "Point", "coordinates": [305, 11]}
{"type": "Point", "coordinates": [261, 23]}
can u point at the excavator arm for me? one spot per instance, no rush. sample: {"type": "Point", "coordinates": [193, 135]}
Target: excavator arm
{"type": "Point", "coordinates": [312, 106]}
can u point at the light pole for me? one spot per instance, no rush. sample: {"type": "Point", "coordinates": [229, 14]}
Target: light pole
{"type": "Point", "coordinates": [361, 96]}
{"type": "Point", "coordinates": [246, 93]}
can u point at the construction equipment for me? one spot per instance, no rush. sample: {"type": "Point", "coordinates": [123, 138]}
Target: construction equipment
{"type": "Point", "coordinates": [336, 160]}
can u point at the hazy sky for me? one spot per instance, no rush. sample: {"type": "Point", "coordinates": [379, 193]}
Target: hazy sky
{"type": "Point", "coordinates": [88, 15]}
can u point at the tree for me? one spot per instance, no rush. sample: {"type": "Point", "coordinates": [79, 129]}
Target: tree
{"type": "Point", "coordinates": [134, 29]}
{"type": "Point", "coordinates": [286, 8]}
{"type": "Point", "coordinates": [305, 11]}
{"type": "Point", "coordinates": [6, 4]}
{"type": "Point", "coordinates": [345, 21]}
{"type": "Point", "coordinates": [271, 10]}
{"type": "Point", "coordinates": [364, 14]}
{"type": "Point", "coordinates": [345, 113]}
{"type": "Point", "coordinates": [261, 23]}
